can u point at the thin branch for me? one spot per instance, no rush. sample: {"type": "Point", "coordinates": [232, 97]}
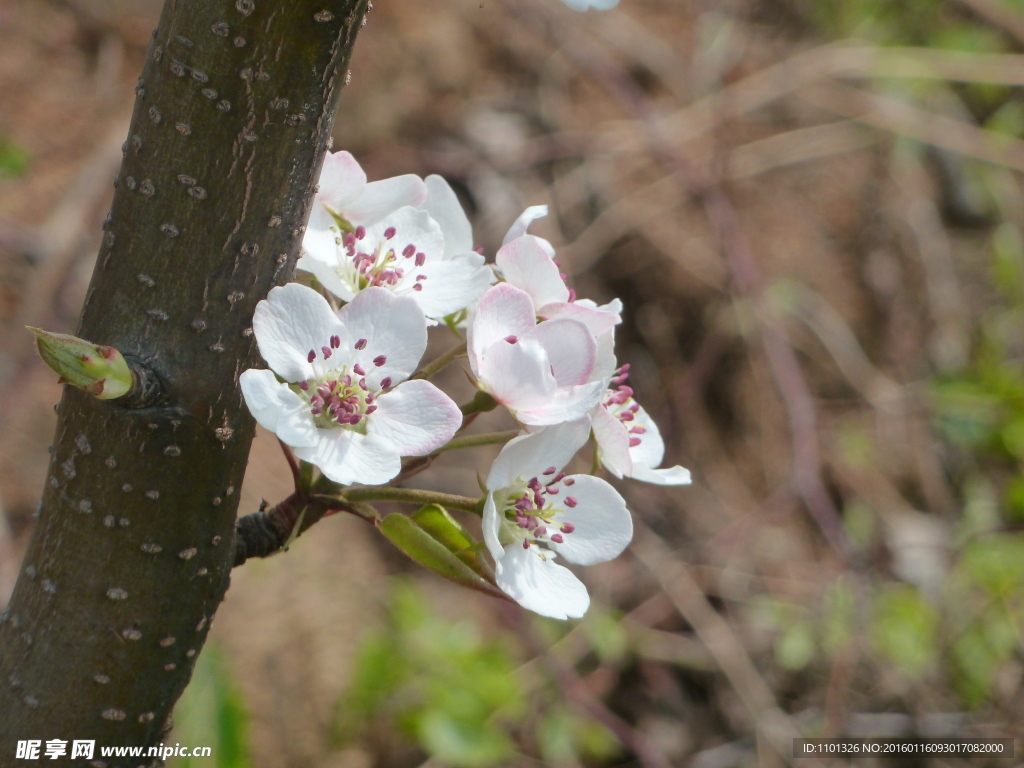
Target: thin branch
{"type": "Point", "coordinates": [437, 365]}
{"type": "Point", "coordinates": [406, 496]}
{"type": "Point", "coordinates": [471, 441]}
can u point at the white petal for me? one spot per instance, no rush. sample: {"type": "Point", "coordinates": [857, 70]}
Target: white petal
{"type": "Point", "coordinates": [444, 207]}
{"type": "Point", "coordinates": [672, 476]}
{"type": "Point", "coordinates": [603, 525]}
{"type": "Point", "coordinates": [597, 320]}
{"type": "Point", "coordinates": [530, 455]}
{"type": "Point", "coordinates": [571, 348]}
{"type": "Point", "coordinates": [382, 198]}
{"type": "Point", "coordinates": [612, 442]}
{"type": "Point", "coordinates": [651, 449]}
{"type": "Point", "coordinates": [541, 586]}
{"type": "Point", "coordinates": [413, 226]}
{"type": "Point", "coordinates": [348, 457]}
{"type": "Point", "coordinates": [342, 180]}
{"type": "Point", "coordinates": [518, 375]}
{"type": "Point", "coordinates": [606, 364]}
{"type": "Point", "coordinates": [393, 326]}
{"type": "Point", "coordinates": [321, 237]}
{"type": "Point", "coordinates": [278, 408]}
{"type": "Point", "coordinates": [504, 310]}
{"type": "Point", "coordinates": [451, 284]}
{"type": "Point", "coordinates": [325, 273]}
{"type": "Point", "coordinates": [526, 218]}
{"type": "Point", "coordinates": [416, 418]}
{"type": "Point", "coordinates": [491, 527]}
{"type": "Point", "coordinates": [290, 322]}
{"type": "Point", "coordinates": [567, 404]}
{"type": "Point", "coordinates": [526, 265]}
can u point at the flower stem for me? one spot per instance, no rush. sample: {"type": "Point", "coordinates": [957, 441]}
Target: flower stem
{"type": "Point", "coordinates": [470, 441]}
{"type": "Point", "coordinates": [435, 366]}
{"type": "Point", "coordinates": [411, 496]}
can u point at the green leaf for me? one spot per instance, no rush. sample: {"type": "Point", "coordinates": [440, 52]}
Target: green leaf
{"type": "Point", "coordinates": [436, 520]}
{"type": "Point", "coordinates": [418, 544]}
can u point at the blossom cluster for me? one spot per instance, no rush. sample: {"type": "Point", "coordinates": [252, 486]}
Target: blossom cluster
{"type": "Point", "coordinates": [396, 257]}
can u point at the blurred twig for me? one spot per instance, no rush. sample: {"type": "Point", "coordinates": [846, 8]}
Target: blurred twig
{"type": "Point", "coordinates": [716, 634]}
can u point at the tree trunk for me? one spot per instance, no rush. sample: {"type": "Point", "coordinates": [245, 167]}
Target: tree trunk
{"type": "Point", "coordinates": [134, 543]}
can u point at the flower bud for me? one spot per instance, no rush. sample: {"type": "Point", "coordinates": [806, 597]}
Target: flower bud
{"type": "Point", "coordinates": [99, 370]}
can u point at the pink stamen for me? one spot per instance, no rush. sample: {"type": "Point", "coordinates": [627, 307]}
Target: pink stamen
{"type": "Point", "coordinates": [358, 369]}
{"type": "Point", "coordinates": [327, 352]}
{"type": "Point", "coordinates": [409, 250]}
{"type": "Point", "coordinates": [557, 538]}
{"type": "Point", "coordinates": [390, 232]}
{"type": "Point", "coordinates": [385, 382]}
{"type": "Point", "coordinates": [550, 471]}
{"type": "Point", "coordinates": [311, 356]}
{"type": "Point", "coordinates": [304, 385]}
{"type": "Point", "coordinates": [379, 360]}
{"type": "Point", "coordinates": [512, 339]}
{"type": "Point", "coordinates": [335, 342]}
{"type": "Point", "coordinates": [361, 344]}
{"type": "Point", "coordinates": [526, 544]}
{"type": "Point", "coordinates": [360, 232]}
{"type": "Point", "coordinates": [421, 259]}
{"type": "Point", "coordinates": [371, 409]}
{"type": "Point", "coordinates": [634, 442]}
{"type": "Point", "coordinates": [570, 501]}
{"type": "Point", "coordinates": [567, 528]}
{"type": "Point", "coordinates": [418, 287]}
{"type": "Point", "coordinates": [570, 481]}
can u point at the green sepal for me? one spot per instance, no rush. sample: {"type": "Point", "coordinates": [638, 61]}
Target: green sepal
{"type": "Point", "coordinates": [406, 534]}
{"type": "Point", "coordinates": [438, 522]}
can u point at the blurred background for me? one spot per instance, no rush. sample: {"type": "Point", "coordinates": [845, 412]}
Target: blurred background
{"type": "Point", "coordinates": [813, 211]}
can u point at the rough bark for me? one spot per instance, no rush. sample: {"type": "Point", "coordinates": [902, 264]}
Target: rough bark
{"type": "Point", "coordinates": [134, 543]}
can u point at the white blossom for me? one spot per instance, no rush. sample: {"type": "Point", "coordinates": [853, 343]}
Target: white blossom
{"type": "Point", "coordinates": [535, 512]}
{"type": "Point", "coordinates": [628, 441]}
{"type": "Point", "coordinates": [336, 390]}
{"type": "Point", "coordinates": [541, 372]}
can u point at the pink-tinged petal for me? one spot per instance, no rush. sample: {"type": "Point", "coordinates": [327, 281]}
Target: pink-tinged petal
{"type": "Point", "coordinates": [491, 525]}
{"type": "Point", "coordinates": [651, 448]}
{"type": "Point", "coordinates": [342, 180]}
{"type": "Point", "coordinates": [277, 408]}
{"type": "Point", "coordinates": [597, 320]}
{"type": "Point", "coordinates": [518, 375]}
{"type": "Point", "coordinates": [603, 525]}
{"type": "Point", "coordinates": [671, 476]}
{"type": "Point", "coordinates": [571, 348]}
{"type": "Point", "coordinates": [290, 322]}
{"type": "Point", "coordinates": [393, 326]}
{"type": "Point", "coordinates": [541, 585]}
{"type": "Point", "coordinates": [529, 455]}
{"type": "Point", "coordinates": [526, 265]}
{"type": "Point", "coordinates": [504, 310]}
{"type": "Point", "coordinates": [612, 442]}
{"type": "Point", "coordinates": [606, 364]}
{"type": "Point", "coordinates": [325, 273]}
{"type": "Point", "coordinates": [321, 237]}
{"type": "Point", "coordinates": [444, 207]}
{"type": "Point", "coordinates": [526, 218]}
{"type": "Point", "coordinates": [347, 457]}
{"type": "Point", "coordinates": [416, 418]}
{"type": "Point", "coordinates": [382, 198]}
{"type": "Point", "coordinates": [450, 285]}
{"type": "Point", "coordinates": [568, 404]}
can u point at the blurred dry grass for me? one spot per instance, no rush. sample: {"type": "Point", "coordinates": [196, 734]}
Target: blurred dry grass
{"type": "Point", "coordinates": [795, 267]}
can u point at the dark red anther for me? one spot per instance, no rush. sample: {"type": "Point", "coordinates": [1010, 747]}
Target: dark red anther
{"type": "Point", "coordinates": [390, 232]}
{"type": "Point", "coordinates": [379, 360]}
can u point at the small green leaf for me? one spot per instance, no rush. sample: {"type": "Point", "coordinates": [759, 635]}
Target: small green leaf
{"type": "Point", "coordinates": [409, 537]}
{"type": "Point", "coordinates": [435, 520]}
